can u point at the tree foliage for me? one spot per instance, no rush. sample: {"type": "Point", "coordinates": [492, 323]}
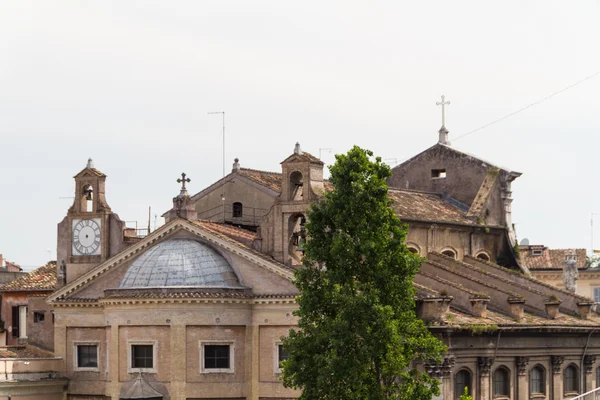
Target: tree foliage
{"type": "Point", "coordinates": [359, 333]}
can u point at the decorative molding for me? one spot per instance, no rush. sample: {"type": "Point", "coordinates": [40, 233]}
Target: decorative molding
{"type": "Point", "coordinates": [485, 364]}
{"type": "Point", "coordinates": [556, 363]}
{"type": "Point", "coordinates": [588, 362]}
{"type": "Point", "coordinates": [522, 365]}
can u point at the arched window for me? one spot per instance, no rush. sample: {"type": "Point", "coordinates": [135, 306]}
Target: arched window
{"type": "Point", "coordinates": [501, 382]}
{"type": "Point", "coordinates": [537, 380]}
{"type": "Point", "coordinates": [449, 253]}
{"type": "Point", "coordinates": [462, 380]}
{"type": "Point", "coordinates": [571, 380]}
{"type": "Point", "coordinates": [483, 256]}
{"type": "Point", "coordinates": [87, 199]}
{"type": "Point", "coordinates": [296, 186]}
{"type": "Point", "coordinates": [413, 250]}
{"type": "Point", "coordinates": [238, 210]}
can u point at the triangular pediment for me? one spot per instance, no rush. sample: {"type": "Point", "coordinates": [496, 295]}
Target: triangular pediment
{"type": "Point", "coordinates": [303, 157]}
{"type": "Point", "coordinates": [89, 173]}
{"type": "Point", "coordinates": [193, 229]}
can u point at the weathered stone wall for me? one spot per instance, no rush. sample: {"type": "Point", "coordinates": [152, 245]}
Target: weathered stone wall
{"type": "Point", "coordinates": [40, 333]}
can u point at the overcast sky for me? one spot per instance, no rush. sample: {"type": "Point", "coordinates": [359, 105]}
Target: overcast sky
{"type": "Point", "coordinates": [129, 83]}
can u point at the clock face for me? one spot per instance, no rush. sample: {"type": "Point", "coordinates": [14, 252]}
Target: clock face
{"type": "Point", "coordinates": [86, 237]}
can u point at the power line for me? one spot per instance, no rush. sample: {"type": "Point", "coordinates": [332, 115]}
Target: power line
{"type": "Point", "coordinates": [528, 106]}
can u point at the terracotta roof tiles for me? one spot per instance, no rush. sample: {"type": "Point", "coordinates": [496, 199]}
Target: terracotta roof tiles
{"type": "Point", "coordinates": [270, 180]}
{"type": "Point", "coordinates": [43, 278]}
{"type": "Point", "coordinates": [422, 206]}
{"type": "Point", "coordinates": [550, 259]}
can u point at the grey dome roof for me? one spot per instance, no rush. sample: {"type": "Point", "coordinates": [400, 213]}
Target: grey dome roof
{"type": "Point", "coordinates": [180, 263]}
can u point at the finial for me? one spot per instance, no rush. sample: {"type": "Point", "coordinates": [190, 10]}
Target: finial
{"type": "Point", "coordinates": [183, 180]}
{"type": "Point", "coordinates": [443, 136]}
{"type": "Point", "coordinates": [236, 165]}
{"type": "Point", "coordinates": [90, 163]}
{"type": "Point", "coordinates": [297, 149]}
{"type": "Point", "coordinates": [443, 103]}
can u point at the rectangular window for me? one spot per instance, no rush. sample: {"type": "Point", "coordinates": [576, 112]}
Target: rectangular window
{"type": "Point", "coordinates": [87, 356]}
{"type": "Point", "coordinates": [15, 321]}
{"type": "Point", "coordinates": [142, 356]}
{"type": "Point", "coordinates": [282, 354]}
{"type": "Point", "coordinates": [38, 316]}
{"type": "Point", "coordinates": [537, 252]}
{"type": "Point", "coordinates": [216, 356]}
{"type": "Point", "coordinates": [597, 294]}
{"type": "Point", "coordinates": [438, 173]}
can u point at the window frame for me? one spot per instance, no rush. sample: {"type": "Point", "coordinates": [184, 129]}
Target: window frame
{"type": "Point", "coordinates": [502, 369]}
{"type": "Point", "coordinates": [130, 344]}
{"type": "Point", "coordinates": [576, 380]}
{"type": "Point", "coordinates": [276, 368]}
{"type": "Point", "coordinates": [469, 384]}
{"type": "Point", "coordinates": [230, 343]}
{"type": "Point", "coordinates": [542, 370]}
{"type": "Point", "coordinates": [76, 366]}
{"type": "Point", "coordinates": [594, 294]}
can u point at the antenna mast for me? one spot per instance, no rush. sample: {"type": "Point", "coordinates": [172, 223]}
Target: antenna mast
{"type": "Point", "coordinates": [223, 113]}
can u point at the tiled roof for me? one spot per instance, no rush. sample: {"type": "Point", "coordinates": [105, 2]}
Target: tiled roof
{"type": "Point", "coordinates": [92, 170]}
{"type": "Point", "coordinates": [43, 278]}
{"type": "Point", "coordinates": [484, 192]}
{"type": "Point", "coordinates": [422, 206]}
{"type": "Point", "coordinates": [21, 352]}
{"type": "Point", "coordinates": [270, 180]}
{"type": "Point", "coordinates": [550, 259]}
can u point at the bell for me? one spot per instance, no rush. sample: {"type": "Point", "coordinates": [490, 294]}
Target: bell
{"type": "Point", "coordinates": [88, 196]}
{"type": "Point", "coordinates": [301, 243]}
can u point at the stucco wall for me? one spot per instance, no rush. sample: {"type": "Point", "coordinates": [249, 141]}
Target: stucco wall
{"type": "Point", "coordinates": [40, 333]}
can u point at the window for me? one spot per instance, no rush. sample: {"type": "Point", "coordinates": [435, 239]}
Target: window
{"type": "Point", "coordinates": [413, 250]}
{"type": "Point", "coordinates": [537, 381]}
{"type": "Point", "coordinates": [38, 316]}
{"type": "Point", "coordinates": [597, 294]}
{"type": "Point", "coordinates": [15, 321]}
{"type": "Point", "coordinates": [216, 356]}
{"type": "Point", "coordinates": [449, 253]}
{"type": "Point", "coordinates": [86, 357]}
{"type": "Point", "coordinates": [438, 173]}
{"type": "Point", "coordinates": [238, 210]}
{"type": "Point", "coordinates": [19, 322]}
{"type": "Point", "coordinates": [501, 382]}
{"type": "Point", "coordinates": [462, 380]}
{"type": "Point", "coordinates": [483, 256]}
{"type": "Point", "coordinates": [537, 252]}
{"type": "Point", "coordinates": [598, 377]}
{"type": "Point", "coordinates": [571, 380]}
{"type": "Point", "coordinates": [142, 356]}
{"type": "Point", "coordinates": [281, 354]}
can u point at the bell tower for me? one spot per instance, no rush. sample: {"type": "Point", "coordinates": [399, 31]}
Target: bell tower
{"type": "Point", "coordinates": [84, 235]}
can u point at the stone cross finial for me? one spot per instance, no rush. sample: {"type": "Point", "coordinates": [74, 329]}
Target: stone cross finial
{"type": "Point", "coordinates": [443, 104]}
{"type": "Point", "coordinates": [183, 180]}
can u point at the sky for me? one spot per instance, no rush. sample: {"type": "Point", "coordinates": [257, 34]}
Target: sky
{"type": "Point", "coordinates": [130, 84]}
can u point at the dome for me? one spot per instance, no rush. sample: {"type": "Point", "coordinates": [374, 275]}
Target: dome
{"type": "Point", "coordinates": [180, 263]}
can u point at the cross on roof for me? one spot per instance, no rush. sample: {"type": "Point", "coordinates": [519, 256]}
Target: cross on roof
{"type": "Point", "coordinates": [443, 104]}
{"type": "Point", "coordinates": [183, 180]}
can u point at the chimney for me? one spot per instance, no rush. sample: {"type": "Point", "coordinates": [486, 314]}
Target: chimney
{"type": "Point", "coordinates": [1, 261]}
{"type": "Point", "coordinates": [570, 273]}
{"type": "Point", "coordinates": [236, 165]}
{"type": "Point", "coordinates": [434, 308]}
{"type": "Point", "coordinates": [515, 305]}
{"type": "Point", "coordinates": [479, 306]}
{"type": "Point", "coordinates": [444, 136]}
{"type": "Point", "coordinates": [584, 308]}
{"type": "Point", "coordinates": [552, 306]}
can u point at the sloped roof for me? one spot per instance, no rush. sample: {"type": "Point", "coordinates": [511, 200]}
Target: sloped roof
{"type": "Point", "coordinates": [93, 171]}
{"type": "Point", "coordinates": [413, 205]}
{"type": "Point", "coordinates": [551, 259]}
{"type": "Point", "coordinates": [304, 156]}
{"type": "Point", "coordinates": [271, 180]}
{"type": "Point", "coordinates": [43, 278]}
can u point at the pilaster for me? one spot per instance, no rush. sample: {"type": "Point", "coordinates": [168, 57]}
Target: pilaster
{"type": "Point", "coordinates": [557, 392]}
{"type": "Point", "coordinates": [522, 382]}
{"type": "Point", "coordinates": [252, 361]}
{"type": "Point", "coordinates": [588, 362]}
{"type": "Point", "coordinates": [113, 362]}
{"type": "Point", "coordinates": [485, 364]}
{"type": "Point", "coordinates": [178, 362]}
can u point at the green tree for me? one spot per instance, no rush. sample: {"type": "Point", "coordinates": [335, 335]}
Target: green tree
{"type": "Point", "coordinates": [466, 395]}
{"type": "Point", "coordinates": [359, 333]}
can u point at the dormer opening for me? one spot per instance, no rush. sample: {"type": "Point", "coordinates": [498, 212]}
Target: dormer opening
{"type": "Point", "coordinates": [296, 186]}
{"type": "Point", "coordinates": [537, 252]}
{"type": "Point", "coordinates": [87, 198]}
{"type": "Point", "coordinates": [438, 173]}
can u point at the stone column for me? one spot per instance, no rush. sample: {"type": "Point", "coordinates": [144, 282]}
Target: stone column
{"type": "Point", "coordinates": [522, 381]}
{"type": "Point", "coordinates": [447, 388]}
{"type": "Point", "coordinates": [252, 361]}
{"type": "Point", "coordinates": [557, 390]}
{"type": "Point", "coordinates": [588, 362]}
{"type": "Point", "coordinates": [485, 364]}
{"type": "Point", "coordinates": [178, 362]}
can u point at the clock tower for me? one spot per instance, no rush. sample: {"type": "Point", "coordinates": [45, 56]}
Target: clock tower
{"type": "Point", "coordinates": [91, 232]}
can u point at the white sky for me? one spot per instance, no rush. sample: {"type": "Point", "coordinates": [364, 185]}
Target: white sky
{"type": "Point", "coordinates": [129, 83]}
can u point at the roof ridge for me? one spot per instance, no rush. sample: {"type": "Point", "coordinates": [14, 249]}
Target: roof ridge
{"type": "Point", "coordinates": [260, 170]}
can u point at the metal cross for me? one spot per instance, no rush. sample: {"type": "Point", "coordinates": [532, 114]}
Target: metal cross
{"type": "Point", "coordinates": [183, 180]}
{"type": "Point", "coordinates": [443, 104]}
